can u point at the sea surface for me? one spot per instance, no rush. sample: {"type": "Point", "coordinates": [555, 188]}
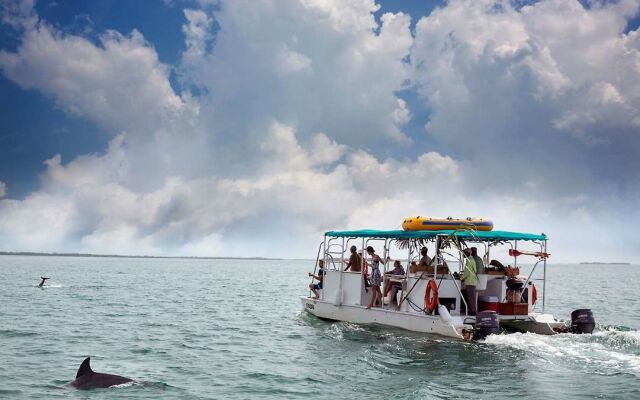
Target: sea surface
{"type": "Point", "coordinates": [234, 329]}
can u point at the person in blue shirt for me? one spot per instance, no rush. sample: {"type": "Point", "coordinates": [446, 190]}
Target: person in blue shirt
{"type": "Point", "coordinates": [317, 286]}
{"type": "Point", "coordinates": [398, 271]}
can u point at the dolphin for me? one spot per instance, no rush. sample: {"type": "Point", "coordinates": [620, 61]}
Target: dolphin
{"type": "Point", "coordinates": [87, 379]}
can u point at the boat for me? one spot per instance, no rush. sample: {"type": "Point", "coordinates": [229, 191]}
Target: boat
{"type": "Point", "coordinates": [430, 299]}
{"type": "Point", "coordinates": [419, 223]}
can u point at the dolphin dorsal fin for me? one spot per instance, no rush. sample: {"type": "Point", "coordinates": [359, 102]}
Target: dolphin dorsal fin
{"type": "Point", "coordinates": [85, 368]}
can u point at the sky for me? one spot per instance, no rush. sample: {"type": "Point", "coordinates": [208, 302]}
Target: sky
{"type": "Point", "coordinates": [250, 127]}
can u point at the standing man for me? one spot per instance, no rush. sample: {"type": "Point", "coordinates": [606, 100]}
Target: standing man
{"type": "Point", "coordinates": [478, 260]}
{"type": "Point", "coordinates": [470, 280]}
{"type": "Point", "coordinates": [355, 262]}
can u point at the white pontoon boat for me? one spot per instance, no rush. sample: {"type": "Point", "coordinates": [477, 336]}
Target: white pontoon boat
{"type": "Point", "coordinates": [431, 299]}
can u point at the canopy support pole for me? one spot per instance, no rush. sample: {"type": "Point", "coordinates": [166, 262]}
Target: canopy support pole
{"type": "Point", "coordinates": [544, 278]}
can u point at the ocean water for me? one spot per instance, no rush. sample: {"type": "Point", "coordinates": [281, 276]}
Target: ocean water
{"type": "Point", "coordinates": [233, 329]}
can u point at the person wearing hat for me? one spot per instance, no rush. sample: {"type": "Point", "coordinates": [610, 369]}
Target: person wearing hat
{"type": "Point", "coordinates": [355, 261]}
{"type": "Point", "coordinates": [470, 281]}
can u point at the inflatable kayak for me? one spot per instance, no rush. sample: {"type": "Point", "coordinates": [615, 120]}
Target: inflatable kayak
{"type": "Point", "coordinates": [440, 224]}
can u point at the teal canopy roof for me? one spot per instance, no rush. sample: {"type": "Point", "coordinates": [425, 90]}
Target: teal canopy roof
{"type": "Point", "coordinates": [461, 234]}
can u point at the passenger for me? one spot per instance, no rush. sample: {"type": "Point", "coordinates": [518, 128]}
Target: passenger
{"type": "Point", "coordinates": [365, 265]}
{"type": "Point", "coordinates": [470, 280]}
{"type": "Point", "coordinates": [355, 261]}
{"type": "Point", "coordinates": [413, 267]}
{"type": "Point", "coordinates": [478, 260]}
{"type": "Point", "coordinates": [441, 265]}
{"type": "Point", "coordinates": [423, 264]}
{"type": "Point", "coordinates": [317, 286]}
{"type": "Point", "coordinates": [425, 260]}
{"type": "Point", "coordinates": [397, 270]}
{"type": "Point", "coordinates": [376, 277]}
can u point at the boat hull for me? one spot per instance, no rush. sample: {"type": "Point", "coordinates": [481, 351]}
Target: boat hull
{"type": "Point", "coordinates": [542, 324]}
{"type": "Point", "coordinates": [360, 315]}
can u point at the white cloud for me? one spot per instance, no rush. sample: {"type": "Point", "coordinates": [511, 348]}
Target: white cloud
{"type": "Point", "coordinates": [197, 32]}
{"type": "Point", "coordinates": [120, 84]}
{"type": "Point", "coordinates": [318, 65]}
{"type": "Point", "coordinates": [289, 62]}
{"type": "Point", "coordinates": [528, 91]}
{"type": "Point", "coordinates": [82, 202]}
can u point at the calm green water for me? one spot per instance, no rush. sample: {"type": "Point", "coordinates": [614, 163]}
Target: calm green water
{"type": "Point", "coordinates": [190, 329]}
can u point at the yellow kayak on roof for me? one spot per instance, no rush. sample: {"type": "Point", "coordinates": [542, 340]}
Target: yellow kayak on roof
{"type": "Point", "coordinates": [441, 224]}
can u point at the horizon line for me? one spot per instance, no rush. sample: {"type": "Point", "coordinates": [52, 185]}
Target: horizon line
{"type": "Point", "coordinates": [71, 254]}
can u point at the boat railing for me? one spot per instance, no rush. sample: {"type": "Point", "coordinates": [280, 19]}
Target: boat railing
{"type": "Point", "coordinates": [528, 280]}
{"type": "Point", "coordinates": [315, 267]}
{"type": "Point", "coordinates": [455, 283]}
{"type": "Point", "coordinates": [332, 255]}
{"type": "Point", "coordinates": [442, 254]}
{"type": "Point", "coordinates": [332, 260]}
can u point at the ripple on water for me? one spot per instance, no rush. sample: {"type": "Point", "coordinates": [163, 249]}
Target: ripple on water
{"type": "Point", "coordinates": [12, 333]}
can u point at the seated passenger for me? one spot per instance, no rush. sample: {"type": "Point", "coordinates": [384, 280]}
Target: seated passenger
{"type": "Point", "coordinates": [425, 261]}
{"type": "Point", "coordinates": [397, 270]}
{"type": "Point", "coordinates": [355, 261]}
{"type": "Point", "coordinates": [442, 267]}
{"type": "Point", "coordinates": [317, 286]}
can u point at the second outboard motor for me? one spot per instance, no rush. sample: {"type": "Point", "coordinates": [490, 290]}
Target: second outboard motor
{"type": "Point", "coordinates": [582, 321]}
{"type": "Point", "coordinates": [487, 323]}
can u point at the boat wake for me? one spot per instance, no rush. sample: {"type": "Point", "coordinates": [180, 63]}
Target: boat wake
{"type": "Point", "coordinates": [606, 352]}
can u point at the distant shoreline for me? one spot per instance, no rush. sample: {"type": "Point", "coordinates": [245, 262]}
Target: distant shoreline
{"type": "Point", "coordinates": [606, 263]}
{"type": "Point", "coordinates": [38, 254]}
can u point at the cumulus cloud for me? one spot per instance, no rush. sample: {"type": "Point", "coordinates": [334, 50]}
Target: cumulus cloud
{"type": "Point", "coordinates": [316, 187]}
{"type": "Point", "coordinates": [119, 83]}
{"type": "Point", "coordinates": [295, 108]}
{"type": "Point", "coordinates": [535, 83]}
{"type": "Point", "coordinates": [319, 65]}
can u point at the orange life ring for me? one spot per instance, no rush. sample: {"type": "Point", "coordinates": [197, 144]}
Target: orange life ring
{"type": "Point", "coordinates": [534, 294]}
{"type": "Point", "coordinates": [431, 302]}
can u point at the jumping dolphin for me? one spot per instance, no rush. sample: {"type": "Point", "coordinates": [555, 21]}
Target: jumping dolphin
{"type": "Point", "coordinates": [87, 379]}
{"type": "Point", "coordinates": [42, 283]}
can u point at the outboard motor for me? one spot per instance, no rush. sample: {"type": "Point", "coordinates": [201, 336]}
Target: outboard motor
{"type": "Point", "coordinates": [487, 323]}
{"type": "Point", "coordinates": [582, 321]}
